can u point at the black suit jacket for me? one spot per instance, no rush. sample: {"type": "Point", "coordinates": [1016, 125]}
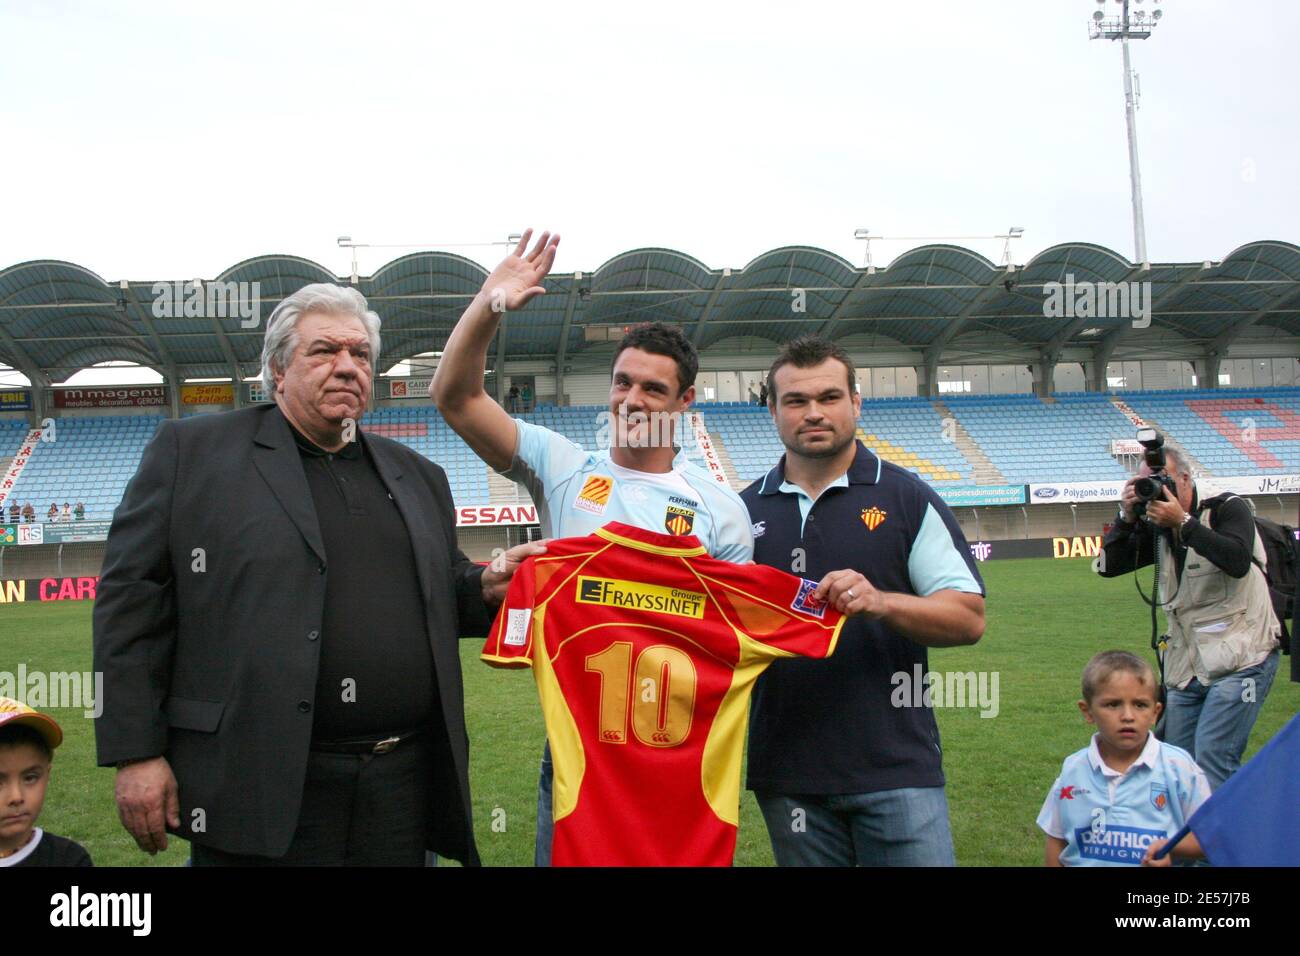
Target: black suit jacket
{"type": "Point", "coordinates": [208, 615]}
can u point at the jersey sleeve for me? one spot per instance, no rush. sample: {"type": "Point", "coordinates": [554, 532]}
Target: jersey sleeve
{"type": "Point", "coordinates": [735, 534]}
{"type": "Point", "coordinates": [510, 644]}
{"type": "Point", "coordinates": [543, 459]}
{"type": "Point", "coordinates": [1049, 818]}
{"type": "Point", "coordinates": [1192, 785]}
{"type": "Point", "coordinates": [940, 558]}
{"type": "Point", "coordinates": [778, 612]}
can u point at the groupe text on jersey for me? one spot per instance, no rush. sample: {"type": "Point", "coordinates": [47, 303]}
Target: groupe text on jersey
{"type": "Point", "coordinates": [645, 650]}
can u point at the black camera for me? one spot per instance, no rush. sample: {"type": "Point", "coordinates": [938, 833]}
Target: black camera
{"type": "Point", "coordinates": [1148, 489]}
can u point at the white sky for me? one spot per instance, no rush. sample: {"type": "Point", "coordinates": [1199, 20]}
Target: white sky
{"type": "Point", "coordinates": [157, 140]}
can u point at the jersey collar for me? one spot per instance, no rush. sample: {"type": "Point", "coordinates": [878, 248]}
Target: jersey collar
{"type": "Point", "coordinates": [671, 545]}
{"type": "Point", "coordinates": [1149, 756]}
{"type": "Point", "coordinates": [865, 470]}
{"type": "Point", "coordinates": [25, 852]}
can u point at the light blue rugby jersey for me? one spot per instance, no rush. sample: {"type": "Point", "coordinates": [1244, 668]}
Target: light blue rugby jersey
{"type": "Point", "coordinates": [577, 491]}
{"type": "Point", "coordinates": [1108, 818]}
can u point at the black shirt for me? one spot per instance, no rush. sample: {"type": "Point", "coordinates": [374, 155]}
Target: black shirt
{"type": "Point", "coordinates": [376, 674]}
{"type": "Point", "coordinates": [51, 850]}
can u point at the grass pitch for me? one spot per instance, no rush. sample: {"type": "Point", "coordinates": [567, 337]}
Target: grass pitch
{"type": "Point", "coordinates": [1045, 619]}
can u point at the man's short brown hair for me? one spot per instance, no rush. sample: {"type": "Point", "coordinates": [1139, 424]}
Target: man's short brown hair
{"type": "Point", "coordinates": [809, 351]}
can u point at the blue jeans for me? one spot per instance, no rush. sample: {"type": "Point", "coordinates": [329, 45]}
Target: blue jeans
{"type": "Point", "coordinates": [907, 827]}
{"type": "Point", "coordinates": [545, 811]}
{"type": "Point", "coordinates": [1212, 723]}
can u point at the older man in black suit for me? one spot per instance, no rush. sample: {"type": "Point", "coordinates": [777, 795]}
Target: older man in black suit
{"type": "Point", "coordinates": [281, 678]}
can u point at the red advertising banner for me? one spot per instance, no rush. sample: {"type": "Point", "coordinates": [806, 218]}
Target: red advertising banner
{"type": "Point", "coordinates": [128, 396]}
{"type": "Point", "coordinates": [48, 589]}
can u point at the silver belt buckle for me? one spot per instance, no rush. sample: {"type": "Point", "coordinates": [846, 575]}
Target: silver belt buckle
{"type": "Point", "coordinates": [386, 745]}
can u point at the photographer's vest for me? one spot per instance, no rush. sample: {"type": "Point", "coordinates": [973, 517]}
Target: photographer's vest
{"type": "Point", "coordinates": [1218, 624]}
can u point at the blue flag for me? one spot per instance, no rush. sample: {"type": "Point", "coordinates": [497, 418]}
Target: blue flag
{"type": "Point", "coordinates": [1251, 819]}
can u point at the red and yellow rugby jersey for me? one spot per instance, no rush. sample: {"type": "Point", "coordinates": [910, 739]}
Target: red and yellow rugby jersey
{"type": "Point", "coordinates": [645, 650]}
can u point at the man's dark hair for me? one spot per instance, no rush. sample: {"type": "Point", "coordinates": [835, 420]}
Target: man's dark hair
{"type": "Point", "coordinates": [16, 735]}
{"type": "Point", "coordinates": [659, 339]}
{"type": "Point", "coordinates": [808, 351]}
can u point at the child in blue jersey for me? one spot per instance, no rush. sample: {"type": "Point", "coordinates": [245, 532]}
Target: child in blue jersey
{"type": "Point", "coordinates": [1118, 800]}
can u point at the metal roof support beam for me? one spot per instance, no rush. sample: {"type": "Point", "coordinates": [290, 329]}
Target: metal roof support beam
{"type": "Point", "coordinates": [171, 373]}
{"type": "Point", "coordinates": [1217, 349]}
{"type": "Point", "coordinates": [35, 374]}
{"type": "Point", "coordinates": [1059, 340]}
{"type": "Point", "coordinates": [1106, 347]}
{"type": "Point", "coordinates": [1207, 370]}
{"type": "Point", "coordinates": [1281, 298]}
{"type": "Point", "coordinates": [236, 374]}
{"type": "Point", "coordinates": [934, 351]}
{"type": "Point", "coordinates": [563, 352]}
{"type": "Point", "coordinates": [708, 306]}
{"type": "Point", "coordinates": [864, 281]}
{"type": "Point", "coordinates": [1051, 353]}
{"type": "Point", "coordinates": [1043, 370]}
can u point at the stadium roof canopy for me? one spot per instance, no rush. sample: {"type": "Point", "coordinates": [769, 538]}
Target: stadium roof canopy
{"type": "Point", "coordinates": [937, 301]}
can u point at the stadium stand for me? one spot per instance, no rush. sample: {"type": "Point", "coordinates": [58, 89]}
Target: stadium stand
{"type": "Point", "coordinates": [906, 431]}
{"type": "Point", "coordinates": [11, 436]}
{"type": "Point", "coordinates": [1230, 431]}
{"type": "Point", "coordinates": [1031, 440]}
{"type": "Point", "coordinates": [91, 460]}
{"type": "Point", "coordinates": [1235, 432]}
{"type": "Point", "coordinates": [422, 429]}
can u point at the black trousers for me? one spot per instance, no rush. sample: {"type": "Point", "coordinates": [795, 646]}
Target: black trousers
{"type": "Point", "coordinates": [357, 810]}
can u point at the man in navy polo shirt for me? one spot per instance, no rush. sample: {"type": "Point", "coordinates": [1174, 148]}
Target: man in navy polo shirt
{"type": "Point", "coordinates": [842, 775]}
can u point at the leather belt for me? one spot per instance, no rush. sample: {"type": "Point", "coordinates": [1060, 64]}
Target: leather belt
{"type": "Point", "coordinates": [367, 745]}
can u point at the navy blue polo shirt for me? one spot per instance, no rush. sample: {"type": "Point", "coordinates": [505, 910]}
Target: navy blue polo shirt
{"type": "Point", "coordinates": [830, 726]}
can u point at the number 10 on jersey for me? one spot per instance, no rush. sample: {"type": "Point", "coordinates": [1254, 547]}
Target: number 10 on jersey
{"type": "Point", "coordinates": [661, 687]}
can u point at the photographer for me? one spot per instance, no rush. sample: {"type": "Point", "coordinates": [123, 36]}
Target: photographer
{"type": "Point", "coordinates": [1222, 648]}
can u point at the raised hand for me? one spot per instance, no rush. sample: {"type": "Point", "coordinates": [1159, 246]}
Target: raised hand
{"type": "Point", "coordinates": [517, 280]}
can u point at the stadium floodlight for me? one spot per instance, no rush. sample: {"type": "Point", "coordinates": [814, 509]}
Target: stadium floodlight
{"type": "Point", "coordinates": [1015, 232]}
{"type": "Point", "coordinates": [865, 236]}
{"type": "Point", "coordinates": [346, 242]}
{"type": "Point", "coordinates": [1124, 27]}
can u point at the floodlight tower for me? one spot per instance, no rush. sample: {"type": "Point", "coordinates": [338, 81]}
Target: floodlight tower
{"type": "Point", "coordinates": [1137, 26]}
